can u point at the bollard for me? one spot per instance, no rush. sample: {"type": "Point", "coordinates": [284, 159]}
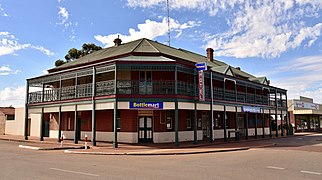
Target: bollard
{"type": "Point", "coordinates": [61, 140]}
{"type": "Point", "coordinates": [85, 141]}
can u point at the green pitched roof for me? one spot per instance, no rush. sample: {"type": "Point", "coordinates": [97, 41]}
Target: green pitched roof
{"type": "Point", "coordinates": [149, 46]}
{"type": "Point", "coordinates": [258, 79]}
{"type": "Point", "coordinates": [140, 45]}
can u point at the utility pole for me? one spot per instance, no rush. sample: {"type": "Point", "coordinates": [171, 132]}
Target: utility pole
{"type": "Point", "coordinates": [168, 9]}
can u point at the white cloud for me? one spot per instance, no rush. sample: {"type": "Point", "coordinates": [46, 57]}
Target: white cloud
{"type": "Point", "coordinates": [14, 96]}
{"type": "Point", "coordinates": [9, 45]}
{"type": "Point", "coordinates": [2, 12]}
{"type": "Point", "coordinates": [5, 70]}
{"type": "Point", "coordinates": [63, 16]}
{"type": "Point", "coordinates": [149, 29]}
{"type": "Point", "coordinates": [211, 7]}
{"type": "Point", "coordinates": [303, 77]}
{"type": "Point", "coordinates": [263, 28]}
{"type": "Point", "coordinates": [64, 20]}
{"type": "Point", "coordinates": [266, 30]}
{"type": "Point", "coordinates": [43, 50]}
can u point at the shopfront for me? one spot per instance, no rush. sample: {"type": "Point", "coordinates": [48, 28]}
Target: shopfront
{"type": "Point", "coordinates": [305, 115]}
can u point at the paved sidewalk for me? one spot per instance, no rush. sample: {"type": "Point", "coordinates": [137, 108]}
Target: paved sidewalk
{"type": "Point", "coordinates": [106, 148]}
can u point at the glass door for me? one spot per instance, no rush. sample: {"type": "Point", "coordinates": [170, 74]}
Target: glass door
{"type": "Point", "coordinates": [145, 132]}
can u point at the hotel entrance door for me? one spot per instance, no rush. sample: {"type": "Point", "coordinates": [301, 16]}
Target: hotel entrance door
{"type": "Point", "coordinates": [145, 129]}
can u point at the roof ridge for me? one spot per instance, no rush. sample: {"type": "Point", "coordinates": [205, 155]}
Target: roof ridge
{"type": "Point", "coordinates": [140, 42]}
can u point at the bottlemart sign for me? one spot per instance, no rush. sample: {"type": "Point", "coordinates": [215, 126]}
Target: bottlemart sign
{"type": "Point", "coordinates": [146, 105]}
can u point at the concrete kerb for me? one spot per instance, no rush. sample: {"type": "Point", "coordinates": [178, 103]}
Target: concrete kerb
{"type": "Point", "coordinates": [155, 153]}
{"type": "Point", "coordinates": [51, 148]}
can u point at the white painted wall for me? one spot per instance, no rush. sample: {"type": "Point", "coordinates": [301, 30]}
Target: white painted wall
{"type": "Point", "coordinates": [219, 134]}
{"type": "Point", "coordinates": [124, 137]}
{"type": "Point", "coordinates": [17, 126]}
{"type": "Point", "coordinates": [186, 105]}
{"type": "Point", "coordinates": [166, 137]}
{"type": "Point", "coordinates": [35, 125]}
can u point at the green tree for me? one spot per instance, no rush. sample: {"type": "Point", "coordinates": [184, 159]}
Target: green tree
{"type": "Point", "coordinates": [74, 53]}
{"type": "Point", "coordinates": [59, 62]}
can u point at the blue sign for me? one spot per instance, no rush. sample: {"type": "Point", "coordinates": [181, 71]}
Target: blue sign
{"type": "Point", "coordinates": [251, 109]}
{"type": "Point", "coordinates": [146, 105]}
{"type": "Point", "coordinates": [202, 66]}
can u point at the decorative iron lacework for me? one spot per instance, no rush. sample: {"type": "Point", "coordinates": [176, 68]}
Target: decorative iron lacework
{"type": "Point", "coordinates": [147, 67]}
{"type": "Point", "coordinates": [104, 69]}
{"type": "Point", "coordinates": [185, 70]}
{"type": "Point", "coordinates": [85, 72]}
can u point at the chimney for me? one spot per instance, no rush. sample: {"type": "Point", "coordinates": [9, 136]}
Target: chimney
{"type": "Point", "coordinates": [238, 68]}
{"type": "Point", "coordinates": [210, 54]}
{"type": "Point", "coordinates": [268, 82]}
{"type": "Point", "coordinates": [117, 41]}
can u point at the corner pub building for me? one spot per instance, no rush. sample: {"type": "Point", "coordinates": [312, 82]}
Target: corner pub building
{"type": "Point", "coordinates": [146, 92]}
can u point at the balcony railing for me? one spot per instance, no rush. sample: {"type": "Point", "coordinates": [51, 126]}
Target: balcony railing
{"type": "Point", "coordinates": [125, 87]}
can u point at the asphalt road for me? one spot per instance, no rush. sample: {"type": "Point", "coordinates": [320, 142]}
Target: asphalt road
{"type": "Point", "coordinates": [292, 158]}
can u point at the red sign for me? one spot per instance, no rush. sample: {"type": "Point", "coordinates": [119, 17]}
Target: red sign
{"type": "Point", "coordinates": [201, 86]}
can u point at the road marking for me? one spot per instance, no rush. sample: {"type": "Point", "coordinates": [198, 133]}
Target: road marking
{"type": "Point", "coordinates": [273, 167]}
{"type": "Point", "coordinates": [299, 138]}
{"type": "Point", "coordinates": [75, 172]}
{"type": "Point", "coordinates": [310, 172]}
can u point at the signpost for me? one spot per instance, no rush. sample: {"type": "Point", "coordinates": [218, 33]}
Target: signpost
{"type": "Point", "coordinates": [200, 67]}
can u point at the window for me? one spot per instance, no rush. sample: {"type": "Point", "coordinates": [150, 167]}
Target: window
{"type": "Point", "coordinates": [118, 120]}
{"type": "Point", "coordinates": [218, 120]}
{"type": "Point", "coordinates": [169, 123]}
{"type": "Point", "coordinates": [10, 117]}
{"type": "Point", "coordinates": [68, 124]}
{"type": "Point", "coordinates": [189, 116]}
{"type": "Point", "coordinates": [169, 120]}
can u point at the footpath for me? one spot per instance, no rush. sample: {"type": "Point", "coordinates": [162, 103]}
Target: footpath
{"type": "Point", "coordinates": [106, 148]}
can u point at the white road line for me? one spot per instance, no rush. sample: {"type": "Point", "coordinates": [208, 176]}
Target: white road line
{"type": "Point", "coordinates": [273, 167]}
{"type": "Point", "coordinates": [310, 172]}
{"type": "Point", "coordinates": [75, 172]}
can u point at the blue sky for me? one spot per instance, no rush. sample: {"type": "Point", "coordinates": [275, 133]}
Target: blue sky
{"type": "Point", "coordinates": [280, 39]}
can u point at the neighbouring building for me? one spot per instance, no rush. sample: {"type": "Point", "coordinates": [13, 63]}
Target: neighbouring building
{"type": "Point", "coordinates": [6, 114]}
{"type": "Point", "coordinates": [15, 126]}
{"type": "Point", "coordinates": [305, 115]}
{"type": "Point", "coordinates": [146, 92]}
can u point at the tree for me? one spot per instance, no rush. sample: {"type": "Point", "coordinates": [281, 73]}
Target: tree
{"type": "Point", "coordinates": [74, 53]}
{"type": "Point", "coordinates": [59, 62]}
{"type": "Point", "coordinates": [89, 48]}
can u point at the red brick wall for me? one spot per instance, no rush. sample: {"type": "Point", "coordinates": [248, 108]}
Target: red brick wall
{"type": "Point", "coordinates": [259, 92]}
{"type": "Point", "coordinates": [129, 120]}
{"type": "Point", "coordinates": [86, 120]}
{"type": "Point", "coordinates": [161, 116]}
{"type": "Point", "coordinates": [135, 75]}
{"type": "Point", "coordinates": [166, 75]}
{"type": "Point", "coordinates": [218, 84]}
{"type": "Point", "coordinates": [65, 116]}
{"type": "Point", "coordinates": [231, 120]}
{"type": "Point", "coordinates": [183, 120]}
{"type": "Point", "coordinates": [230, 85]}
{"type": "Point", "coordinates": [104, 120]}
{"type": "Point", "coordinates": [158, 127]}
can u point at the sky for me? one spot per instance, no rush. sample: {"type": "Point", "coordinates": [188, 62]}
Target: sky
{"type": "Point", "coordinates": [279, 39]}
